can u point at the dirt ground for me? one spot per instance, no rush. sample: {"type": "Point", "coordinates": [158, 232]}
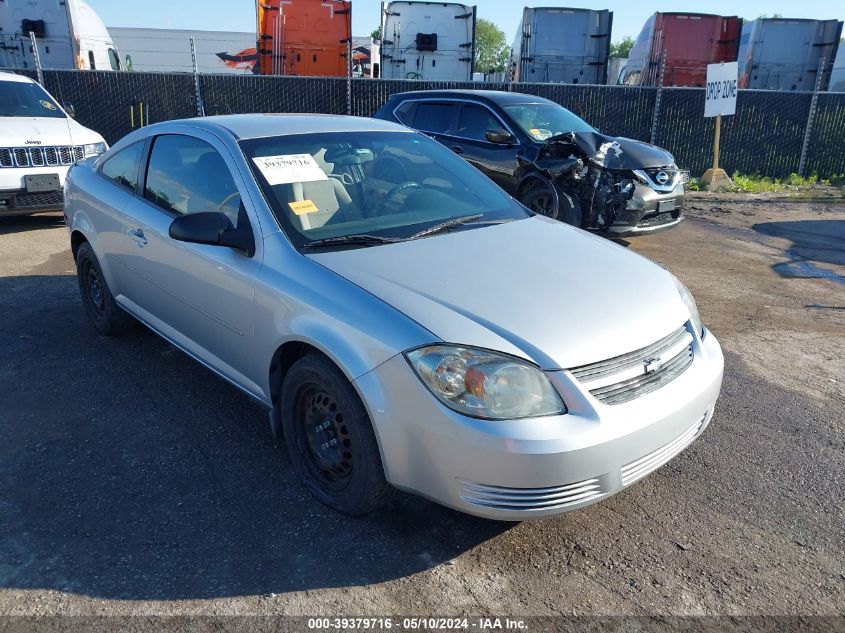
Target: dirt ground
{"type": "Point", "coordinates": [133, 481]}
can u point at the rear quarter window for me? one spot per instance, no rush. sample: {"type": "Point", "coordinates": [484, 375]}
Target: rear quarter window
{"type": "Point", "coordinates": [124, 166]}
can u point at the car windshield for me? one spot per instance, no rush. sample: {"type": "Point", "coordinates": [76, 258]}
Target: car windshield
{"type": "Point", "coordinates": [26, 99]}
{"type": "Point", "coordinates": [366, 188]}
{"type": "Point", "coordinates": [542, 121]}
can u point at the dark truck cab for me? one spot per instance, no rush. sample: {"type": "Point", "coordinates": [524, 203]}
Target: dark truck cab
{"type": "Point", "coordinates": [549, 159]}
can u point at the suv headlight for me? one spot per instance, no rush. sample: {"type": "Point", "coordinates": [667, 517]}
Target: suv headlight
{"type": "Point", "coordinates": [686, 297]}
{"type": "Point", "coordinates": [485, 384]}
{"type": "Point", "coordinates": [94, 149]}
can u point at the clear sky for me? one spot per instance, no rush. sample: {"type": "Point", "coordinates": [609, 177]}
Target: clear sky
{"type": "Point", "coordinates": [628, 18]}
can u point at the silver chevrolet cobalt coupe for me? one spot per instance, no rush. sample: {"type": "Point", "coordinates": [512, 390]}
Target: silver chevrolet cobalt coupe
{"type": "Point", "coordinates": [408, 324]}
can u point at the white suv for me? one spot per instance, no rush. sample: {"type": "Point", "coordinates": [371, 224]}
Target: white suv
{"type": "Point", "coordinates": [39, 143]}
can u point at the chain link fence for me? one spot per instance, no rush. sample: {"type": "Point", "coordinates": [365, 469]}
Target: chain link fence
{"type": "Point", "coordinates": [765, 136]}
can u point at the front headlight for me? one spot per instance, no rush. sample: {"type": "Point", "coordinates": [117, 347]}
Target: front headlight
{"type": "Point", "coordinates": [485, 384]}
{"type": "Point", "coordinates": [690, 303]}
{"type": "Point", "coordinates": [94, 149]}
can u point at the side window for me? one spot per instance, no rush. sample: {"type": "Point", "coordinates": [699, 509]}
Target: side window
{"type": "Point", "coordinates": [405, 111]}
{"type": "Point", "coordinates": [123, 166]}
{"type": "Point", "coordinates": [187, 175]}
{"type": "Point", "coordinates": [114, 59]}
{"type": "Point", "coordinates": [433, 117]}
{"type": "Point", "coordinates": [474, 121]}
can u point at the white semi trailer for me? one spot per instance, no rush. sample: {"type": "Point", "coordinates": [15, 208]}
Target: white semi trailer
{"type": "Point", "coordinates": [69, 35]}
{"type": "Point", "coordinates": [434, 41]}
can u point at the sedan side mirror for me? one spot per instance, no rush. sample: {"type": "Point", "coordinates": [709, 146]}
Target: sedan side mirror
{"type": "Point", "coordinates": [71, 111]}
{"type": "Point", "coordinates": [500, 137]}
{"type": "Point", "coordinates": [214, 228]}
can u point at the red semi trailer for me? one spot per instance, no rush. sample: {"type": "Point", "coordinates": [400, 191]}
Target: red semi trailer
{"type": "Point", "coordinates": [690, 42]}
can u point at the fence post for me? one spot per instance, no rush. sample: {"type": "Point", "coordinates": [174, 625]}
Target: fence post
{"type": "Point", "coordinates": [349, 76]}
{"type": "Point", "coordinates": [808, 130]}
{"type": "Point", "coordinates": [37, 56]}
{"type": "Point", "coordinates": [657, 99]}
{"type": "Point", "coordinates": [197, 86]}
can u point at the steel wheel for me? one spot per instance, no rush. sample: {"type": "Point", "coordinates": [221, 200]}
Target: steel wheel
{"type": "Point", "coordinates": [323, 437]}
{"type": "Point", "coordinates": [93, 288]}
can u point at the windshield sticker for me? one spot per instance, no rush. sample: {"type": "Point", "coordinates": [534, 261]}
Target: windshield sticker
{"type": "Point", "coordinates": [47, 104]}
{"type": "Point", "coordinates": [540, 134]}
{"type": "Point", "coordinates": [289, 168]}
{"type": "Point", "coordinates": [302, 207]}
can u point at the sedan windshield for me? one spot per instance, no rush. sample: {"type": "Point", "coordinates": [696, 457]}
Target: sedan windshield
{"type": "Point", "coordinates": [542, 121]}
{"type": "Point", "coordinates": [27, 100]}
{"type": "Point", "coordinates": [359, 189]}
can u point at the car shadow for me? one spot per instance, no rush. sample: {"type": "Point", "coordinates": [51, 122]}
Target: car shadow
{"type": "Point", "coordinates": [816, 246]}
{"type": "Point", "coordinates": [23, 223]}
{"type": "Point", "coordinates": [129, 471]}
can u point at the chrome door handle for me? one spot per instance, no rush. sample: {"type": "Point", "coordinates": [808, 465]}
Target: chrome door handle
{"type": "Point", "coordinates": [138, 236]}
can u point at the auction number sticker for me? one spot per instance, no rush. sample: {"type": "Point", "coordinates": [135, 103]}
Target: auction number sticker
{"type": "Point", "coordinates": [289, 168]}
{"type": "Point", "coordinates": [46, 104]}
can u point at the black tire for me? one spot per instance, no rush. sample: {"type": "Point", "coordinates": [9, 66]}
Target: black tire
{"type": "Point", "coordinates": [330, 439]}
{"type": "Point", "coordinates": [540, 198]}
{"type": "Point", "coordinates": [107, 317]}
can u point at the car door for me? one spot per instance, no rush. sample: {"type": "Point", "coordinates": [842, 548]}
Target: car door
{"type": "Point", "coordinates": [200, 296]}
{"type": "Point", "coordinates": [469, 140]}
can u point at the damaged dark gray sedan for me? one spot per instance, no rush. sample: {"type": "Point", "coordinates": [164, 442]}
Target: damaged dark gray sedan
{"type": "Point", "coordinates": [549, 159]}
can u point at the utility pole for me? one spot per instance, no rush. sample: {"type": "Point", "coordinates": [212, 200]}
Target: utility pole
{"type": "Point", "coordinates": [37, 56]}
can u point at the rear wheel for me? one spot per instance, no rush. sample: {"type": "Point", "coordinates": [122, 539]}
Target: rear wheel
{"type": "Point", "coordinates": [105, 315]}
{"type": "Point", "coordinates": [330, 439]}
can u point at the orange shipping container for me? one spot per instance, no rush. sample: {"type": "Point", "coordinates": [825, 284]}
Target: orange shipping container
{"type": "Point", "coordinates": [304, 37]}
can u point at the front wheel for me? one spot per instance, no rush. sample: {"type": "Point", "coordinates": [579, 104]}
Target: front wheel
{"type": "Point", "coordinates": [330, 439]}
{"type": "Point", "coordinates": [558, 205]}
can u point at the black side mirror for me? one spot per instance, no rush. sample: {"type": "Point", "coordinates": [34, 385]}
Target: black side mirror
{"type": "Point", "coordinates": [71, 111]}
{"type": "Point", "coordinates": [500, 137]}
{"type": "Point", "coordinates": [214, 228]}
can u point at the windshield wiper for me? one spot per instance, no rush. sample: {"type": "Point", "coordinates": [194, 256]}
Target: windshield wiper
{"type": "Point", "coordinates": [445, 226]}
{"type": "Point", "coordinates": [361, 239]}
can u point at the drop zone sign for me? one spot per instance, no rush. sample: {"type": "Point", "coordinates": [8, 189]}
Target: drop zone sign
{"type": "Point", "coordinates": [720, 97]}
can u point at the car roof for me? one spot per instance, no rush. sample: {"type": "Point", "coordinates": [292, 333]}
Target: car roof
{"type": "Point", "coordinates": [499, 97]}
{"type": "Point", "coordinates": [6, 76]}
{"type": "Point", "coordinates": [246, 126]}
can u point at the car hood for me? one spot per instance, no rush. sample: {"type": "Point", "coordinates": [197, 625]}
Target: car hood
{"type": "Point", "coordinates": [621, 153]}
{"type": "Point", "coordinates": [533, 288]}
{"type": "Point", "coordinates": [44, 132]}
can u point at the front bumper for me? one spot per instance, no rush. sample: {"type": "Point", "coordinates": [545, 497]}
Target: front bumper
{"type": "Point", "coordinates": [536, 467]}
{"type": "Point", "coordinates": [26, 203]}
{"type": "Point", "coordinates": [646, 212]}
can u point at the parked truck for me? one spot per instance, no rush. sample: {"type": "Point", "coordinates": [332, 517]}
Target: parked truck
{"type": "Point", "coordinates": [304, 37]}
{"type": "Point", "coordinates": [785, 54]}
{"type": "Point", "coordinates": [428, 40]}
{"type": "Point", "coordinates": [69, 35]}
{"type": "Point", "coordinates": [690, 42]}
{"type": "Point", "coordinates": [561, 45]}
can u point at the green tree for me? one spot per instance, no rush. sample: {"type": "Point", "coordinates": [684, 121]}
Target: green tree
{"type": "Point", "coordinates": [376, 34]}
{"type": "Point", "coordinates": [621, 49]}
{"type": "Point", "coordinates": [491, 47]}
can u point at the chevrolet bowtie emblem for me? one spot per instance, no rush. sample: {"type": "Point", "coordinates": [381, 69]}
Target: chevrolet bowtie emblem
{"type": "Point", "coordinates": [653, 365]}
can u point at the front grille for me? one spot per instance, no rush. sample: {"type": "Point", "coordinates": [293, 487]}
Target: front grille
{"type": "Point", "coordinates": [41, 156]}
{"type": "Point", "coordinates": [654, 460]}
{"type": "Point", "coordinates": [629, 376]}
{"type": "Point", "coordinates": [659, 219]}
{"type": "Point", "coordinates": [670, 171]}
{"type": "Point", "coordinates": [527, 499]}
{"type": "Point", "coordinates": [40, 200]}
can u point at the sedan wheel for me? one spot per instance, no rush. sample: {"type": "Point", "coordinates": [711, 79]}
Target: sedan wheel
{"type": "Point", "coordinates": [100, 306]}
{"type": "Point", "coordinates": [330, 439]}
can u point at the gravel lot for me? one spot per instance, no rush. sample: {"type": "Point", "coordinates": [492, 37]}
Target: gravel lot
{"type": "Point", "coordinates": [133, 481]}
